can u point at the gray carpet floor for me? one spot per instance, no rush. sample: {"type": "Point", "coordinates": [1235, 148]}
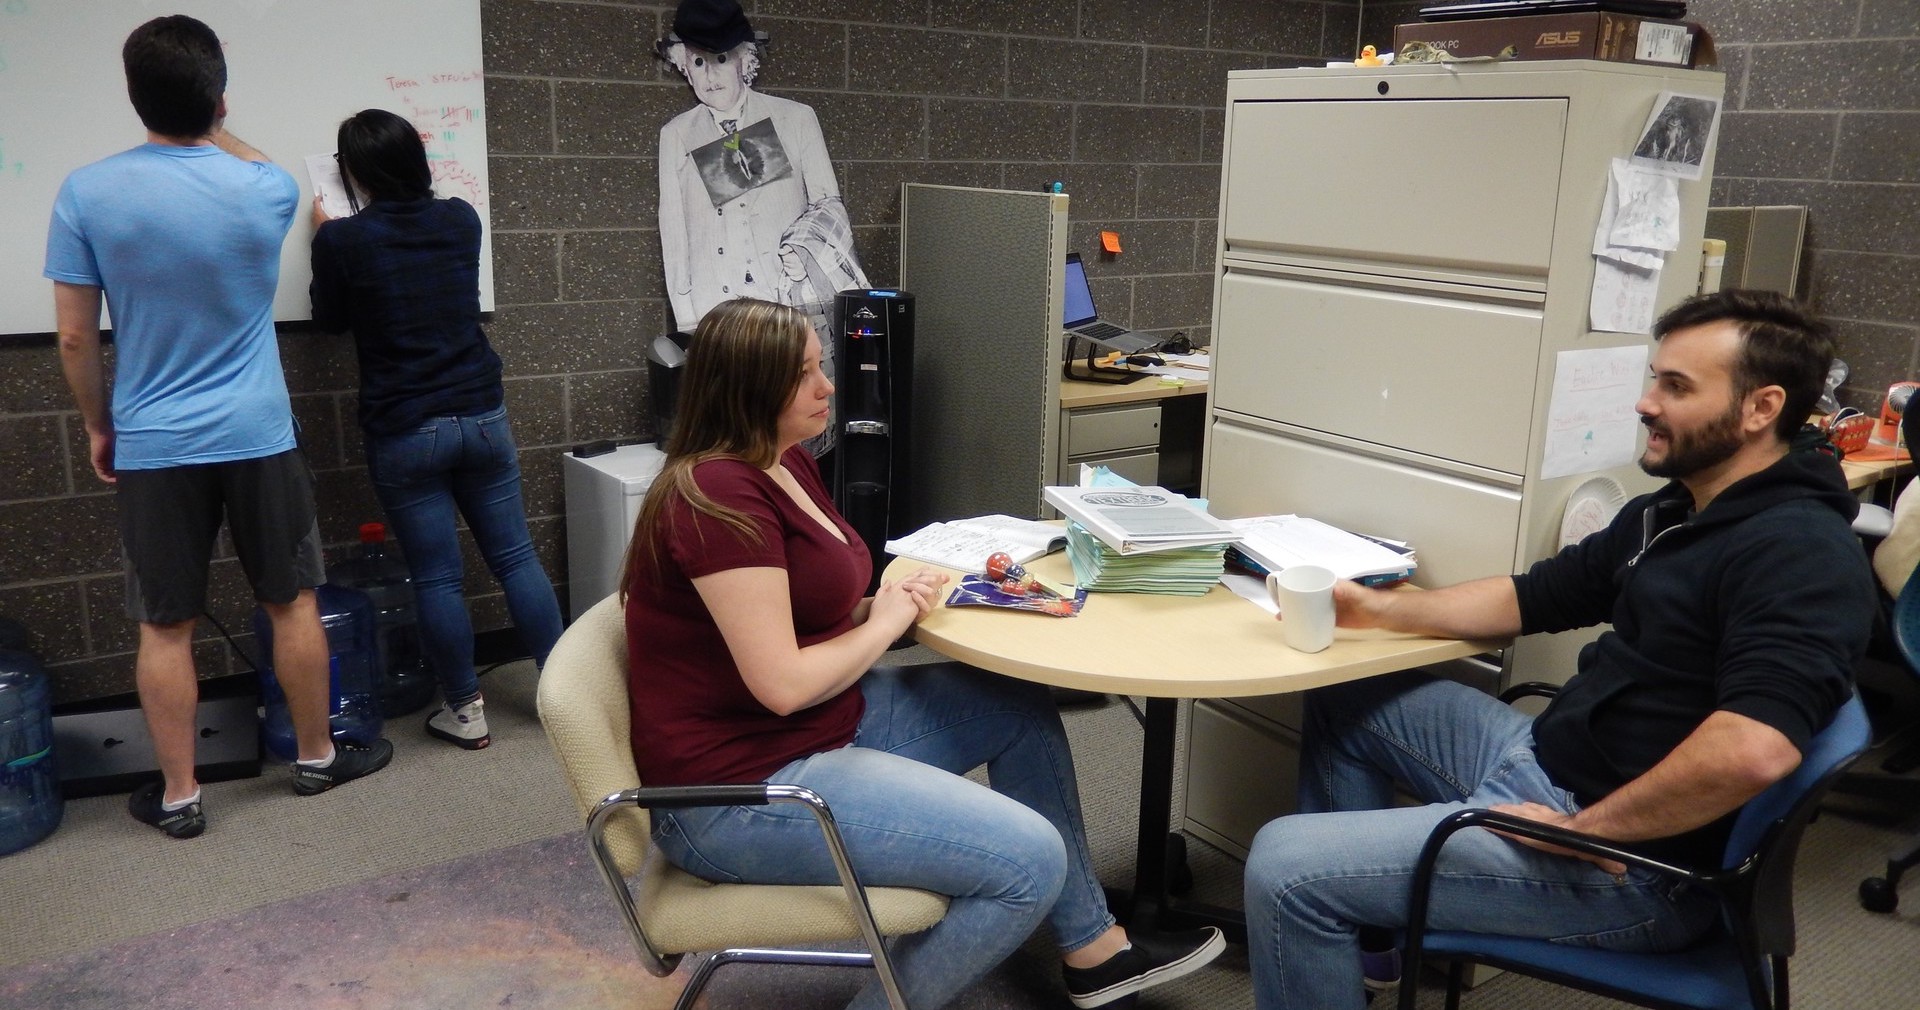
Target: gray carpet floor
{"type": "Point", "coordinates": [105, 901]}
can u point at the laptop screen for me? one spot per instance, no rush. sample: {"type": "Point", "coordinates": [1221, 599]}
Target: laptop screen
{"type": "Point", "coordinates": [1079, 307]}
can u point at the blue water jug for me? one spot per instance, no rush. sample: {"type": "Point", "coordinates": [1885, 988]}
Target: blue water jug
{"type": "Point", "coordinates": [348, 617]}
{"type": "Point", "coordinates": [402, 682]}
{"type": "Point", "coordinates": [30, 803]}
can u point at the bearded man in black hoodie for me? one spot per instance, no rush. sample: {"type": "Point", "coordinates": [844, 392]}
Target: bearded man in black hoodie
{"type": "Point", "coordinates": [1739, 599]}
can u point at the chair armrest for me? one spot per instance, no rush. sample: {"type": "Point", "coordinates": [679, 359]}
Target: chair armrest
{"type": "Point", "coordinates": [1419, 897]}
{"type": "Point", "coordinates": [682, 797]}
{"type": "Point", "coordinates": [1551, 833]}
{"type": "Point", "coordinates": [1530, 689]}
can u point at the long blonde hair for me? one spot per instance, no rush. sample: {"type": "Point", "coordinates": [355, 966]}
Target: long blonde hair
{"type": "Point", "coordinates": [742, 369]}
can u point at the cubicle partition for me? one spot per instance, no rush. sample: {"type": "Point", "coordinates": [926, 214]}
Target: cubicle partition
{"type": "Point", "coordinates": [984, 267]}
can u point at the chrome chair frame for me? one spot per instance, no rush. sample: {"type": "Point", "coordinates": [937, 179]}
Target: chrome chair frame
{"type": "Point", "coordinates": [677, 797]}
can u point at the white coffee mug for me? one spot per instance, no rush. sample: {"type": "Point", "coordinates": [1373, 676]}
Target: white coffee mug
{"type": "Point", "coordinates": [1304, 594]}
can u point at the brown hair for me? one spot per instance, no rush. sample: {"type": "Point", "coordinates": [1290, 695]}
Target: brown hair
{"type": "Point", "coordinates": [743, 366]}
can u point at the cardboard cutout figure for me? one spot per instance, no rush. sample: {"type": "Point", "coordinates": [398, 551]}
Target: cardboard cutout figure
{"type": "Point", "coordinates": [748, 201]}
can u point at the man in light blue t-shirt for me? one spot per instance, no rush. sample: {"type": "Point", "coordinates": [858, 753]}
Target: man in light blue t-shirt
{"type": "Point", "coordinates": [182, 234]}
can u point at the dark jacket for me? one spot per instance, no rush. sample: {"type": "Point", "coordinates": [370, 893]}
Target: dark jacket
{"type": "Point", "coordinates": [404, 276]}
{"type": "Point", "coordinates": [1757, 605]}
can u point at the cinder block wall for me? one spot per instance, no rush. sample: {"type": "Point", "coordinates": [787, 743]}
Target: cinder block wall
{"type": "Point", "coordinates": [1121, 100]}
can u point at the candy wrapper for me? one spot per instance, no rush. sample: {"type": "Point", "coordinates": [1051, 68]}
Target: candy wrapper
{"type": "Point", "coordinates": [976, 591]}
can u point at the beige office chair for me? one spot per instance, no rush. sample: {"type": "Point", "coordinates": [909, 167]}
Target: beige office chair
{"type": "Point", "coordinates": [583, 705]}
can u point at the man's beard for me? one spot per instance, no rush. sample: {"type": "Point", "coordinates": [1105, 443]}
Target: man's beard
{"type": "Point", "coordinates": [1689, 453]}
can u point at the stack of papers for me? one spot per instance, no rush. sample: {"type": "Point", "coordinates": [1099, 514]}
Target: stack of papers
{"type": "Point", "coordinates": [1275, 543]}
{"type": "Point", "coordinates": [1130, 539]}
{"type": "Point", "coordinates": [965, 544]}
{"type": "Point", "coordinates": [1175, 571]}
{"type": "Point", "coordinates": [1139, 520]}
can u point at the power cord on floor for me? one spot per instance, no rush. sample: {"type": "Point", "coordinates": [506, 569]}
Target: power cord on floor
{"type": "Point", "coordinates": [252, 666]}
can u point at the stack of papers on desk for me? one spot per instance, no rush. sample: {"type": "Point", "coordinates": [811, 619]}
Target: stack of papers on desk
{"type": "Point", "coordinates": [965, 544]}
{"type": "Point", "coordinates": [1176, 571]}
{"type": "Point", "coordinates": [1139, 520]}
{"type": "Point", "coordinates": [1275, 543]}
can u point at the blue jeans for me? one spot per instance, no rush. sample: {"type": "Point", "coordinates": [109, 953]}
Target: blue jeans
{"type": "Point", "coordinates": [1347, 859]}
{"type": "Point", "coordinates": [421, 477]}
{"type": "Point", "coordinates": [1010, 856]}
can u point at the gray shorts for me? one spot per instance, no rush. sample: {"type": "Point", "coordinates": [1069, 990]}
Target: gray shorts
{"type": "Point", "coordinates": [170, 517]}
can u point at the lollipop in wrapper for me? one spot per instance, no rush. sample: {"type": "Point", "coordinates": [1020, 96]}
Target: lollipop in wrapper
{"type": "Point", "coordinates": [1013, 578]}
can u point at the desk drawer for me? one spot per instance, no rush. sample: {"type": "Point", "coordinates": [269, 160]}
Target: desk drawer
{"type": "Point", "coordinates": [1446, 377]}
{"type": "Point", "coordinates": [1435, 187]}
{"type": "Point", "coordinates": [1107, 429]}
{"type": "Point", "coordinates": [1242, 772]}
{"type": "Point", "coordinates": [1138, 467]}
{"type": "Point", "coordinates": [1463, 528]}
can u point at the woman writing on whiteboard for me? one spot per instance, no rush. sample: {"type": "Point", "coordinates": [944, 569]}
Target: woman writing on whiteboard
{"type": "Point", "coordinates": [750, 660]}
{"type": "Point", "coordinates": [403, 273]}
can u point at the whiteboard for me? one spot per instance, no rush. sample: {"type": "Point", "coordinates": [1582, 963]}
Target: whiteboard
{"type": "Point", "coordinates": [295, 69]}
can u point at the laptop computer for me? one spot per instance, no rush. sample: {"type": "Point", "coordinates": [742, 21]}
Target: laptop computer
{"type": "Point", "coordinates": [1081, 319]}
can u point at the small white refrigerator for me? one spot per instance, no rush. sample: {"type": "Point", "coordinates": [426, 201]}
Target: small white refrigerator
{"type": "Point", "coordinates": [604, 494]}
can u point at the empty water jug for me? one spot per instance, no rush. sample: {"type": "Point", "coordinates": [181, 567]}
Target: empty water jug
{"type": "Point", "coordinates": [402, 682]}
{"type": "Point", "coordinates": [30, 803]}
{"type": "Point", "coordinates": [348, 617]}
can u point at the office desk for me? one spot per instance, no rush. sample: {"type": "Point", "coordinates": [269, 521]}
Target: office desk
{"type": "Point", "coordinates": [1142, 430]}
{"type": "Point", "coordinates": [1864, 474]}
{"type": "Point", "coordinates": [1165, 648]}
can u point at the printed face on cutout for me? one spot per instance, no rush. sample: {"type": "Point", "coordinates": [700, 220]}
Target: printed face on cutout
{"type": "Point", "coordinates": [718, 79]}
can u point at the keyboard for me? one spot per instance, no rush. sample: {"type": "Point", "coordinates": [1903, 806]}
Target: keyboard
{"type": "Point", "coordinates": [1099, 331]}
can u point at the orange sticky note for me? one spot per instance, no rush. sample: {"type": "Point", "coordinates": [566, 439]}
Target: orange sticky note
{"type": "Point", "coordinates": [1110, 241]}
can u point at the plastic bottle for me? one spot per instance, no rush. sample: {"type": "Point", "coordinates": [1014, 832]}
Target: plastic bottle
{"type": "Point", "coordinates": [403, 683]}
{"type": "Point", "coordinates": [348, 617]}
{"type": "Point", "coordinates": [30, 801]}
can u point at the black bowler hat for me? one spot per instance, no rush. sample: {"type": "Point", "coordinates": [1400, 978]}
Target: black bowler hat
{"type": "Point", "coordinates": [714, 25]}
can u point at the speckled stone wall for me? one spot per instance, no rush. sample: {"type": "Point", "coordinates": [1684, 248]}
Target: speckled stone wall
{"type": "Point", "coordinates": [1121, 100]}
{"type": "Point", "coordinates": [1823, 111]}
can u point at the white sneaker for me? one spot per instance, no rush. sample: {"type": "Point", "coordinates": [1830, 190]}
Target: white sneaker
{"type": "Point", "coordinates": [465, 726]}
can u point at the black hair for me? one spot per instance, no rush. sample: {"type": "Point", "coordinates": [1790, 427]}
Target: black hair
{"type": "Point", "coordinates": [1782, 344]}
{"type": "Point", "coordinates": [176, 74]}
{"type": "Point", "coordinates": [383, 155]}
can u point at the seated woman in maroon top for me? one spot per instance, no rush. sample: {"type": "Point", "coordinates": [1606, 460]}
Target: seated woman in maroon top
{"type": "Point", "coordinates": [751, 660]}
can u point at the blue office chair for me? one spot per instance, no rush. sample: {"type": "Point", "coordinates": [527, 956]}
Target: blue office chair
{"type": "Point", "coordinates": [1741, 964]}
{"type": "Point", "coordinates": [1881, 894]}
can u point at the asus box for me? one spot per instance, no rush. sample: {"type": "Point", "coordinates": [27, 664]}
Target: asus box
{"type": "Point", "coordinates": [1600, 35]}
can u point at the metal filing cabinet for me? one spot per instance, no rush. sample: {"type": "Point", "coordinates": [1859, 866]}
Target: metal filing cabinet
{"type": "Point", "coordinates": [1402, 256]}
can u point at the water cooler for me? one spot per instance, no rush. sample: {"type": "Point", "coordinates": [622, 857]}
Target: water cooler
{"type": "Point", "coordinates": [605, 485]}
{"type": "Point", "coordinates": [873, 361]}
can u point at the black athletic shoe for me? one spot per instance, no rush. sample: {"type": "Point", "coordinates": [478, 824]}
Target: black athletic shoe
{"type": "Point", "coordinates": [1151, 960]}
{"type": "Point", "coordinates": [145, 806]}
{"type": "Point", "coordinates": [350, 761]}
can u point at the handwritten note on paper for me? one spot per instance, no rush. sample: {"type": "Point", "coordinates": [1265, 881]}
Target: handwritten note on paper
{"type": "Point", "coordinates": [1623, 297]}
{"type": "Point", "coordinates": [1648, 214]}
{"type": "Point", "coordinates": [324, 172]}
{"type": "Point", "coordinates": [1591, 424]}
{"type": "Point", "coordinates": [1631, 228]}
